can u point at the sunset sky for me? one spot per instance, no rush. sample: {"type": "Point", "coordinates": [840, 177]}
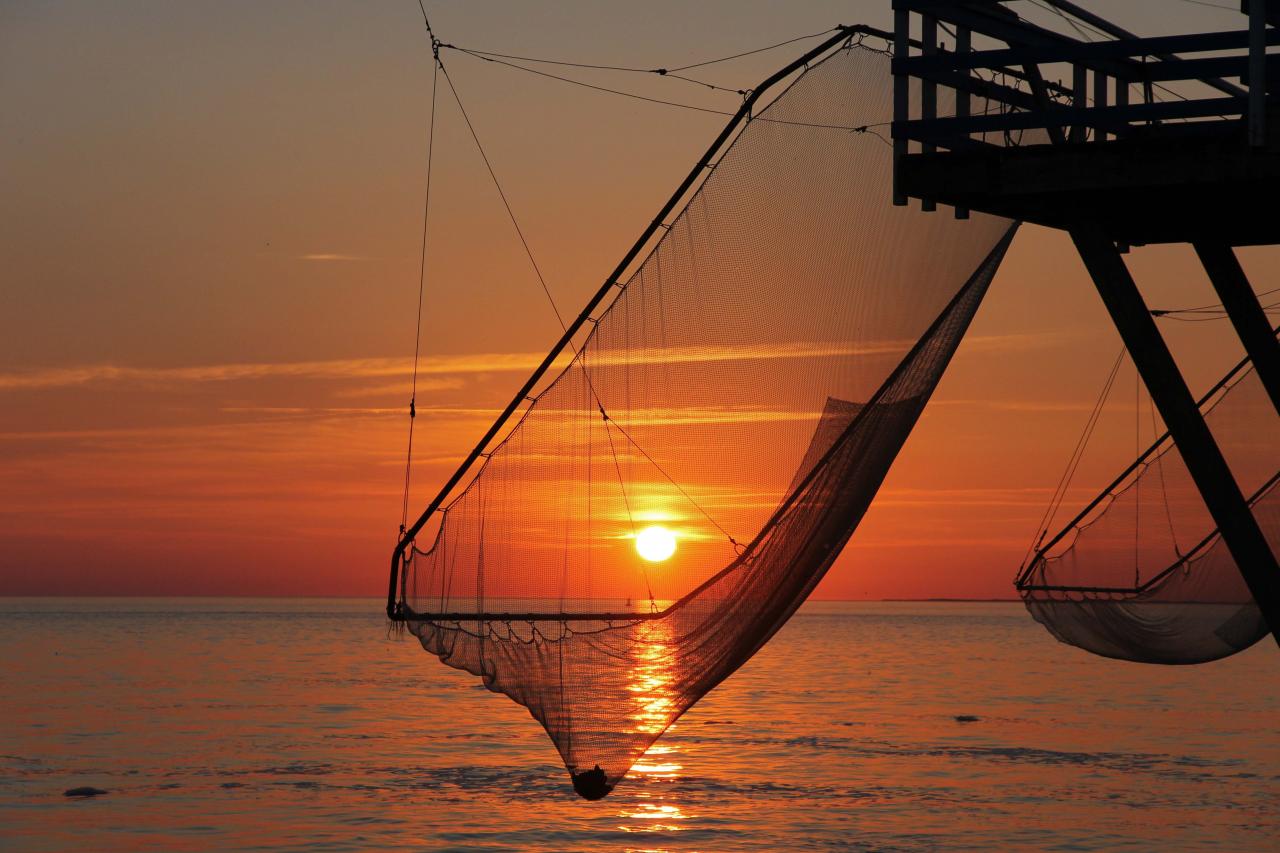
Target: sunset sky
{"type": "Point", "coordinates": [209, 234]}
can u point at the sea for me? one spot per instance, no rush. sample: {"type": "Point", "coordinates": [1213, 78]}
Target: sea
{"type": "Point", "coordinates": [304, 724]}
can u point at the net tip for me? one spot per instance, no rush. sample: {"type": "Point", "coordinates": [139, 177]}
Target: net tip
{"type": "Point", "coordinates": [591, 784]}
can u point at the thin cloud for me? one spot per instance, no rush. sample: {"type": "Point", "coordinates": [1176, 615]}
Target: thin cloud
{"type": "Point", "coordinates": [523, 362]}
{"type": "Point", "coordinates": [375, 368]}
{"type": "Point", "coordinates": [331, 256]}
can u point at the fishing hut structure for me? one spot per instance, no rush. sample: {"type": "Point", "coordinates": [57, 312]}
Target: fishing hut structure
{"type": "Point", "coordinates": [1064, 132]}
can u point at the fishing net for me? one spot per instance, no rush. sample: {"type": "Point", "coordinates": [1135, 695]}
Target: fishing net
{"type": "Point", "coordinates": [1142, 575]}
{"type": "Point", "coordinates": [745, 393]}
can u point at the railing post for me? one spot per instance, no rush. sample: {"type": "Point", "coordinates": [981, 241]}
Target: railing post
{"type": "Point", "coordinates": [1099, 100]}
{"type": "Point", "coordinates": [901, 96]}
{"type": "Point", "coordinates": [1257, 73]}
{"type": "Point", "coordinates": [1122, 91]}
{"type": "Point", "coordinates": [963, 45]}
{"type": "Point", "coordinates": [928, 88]}
{"type": "Point", "coordinates": [1079, 99]}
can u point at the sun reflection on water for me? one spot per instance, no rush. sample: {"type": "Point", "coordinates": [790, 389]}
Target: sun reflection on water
{"type": "Point", "coordinates": [651, 674]}
{"type": "Point", "coordinates": [651, 685]}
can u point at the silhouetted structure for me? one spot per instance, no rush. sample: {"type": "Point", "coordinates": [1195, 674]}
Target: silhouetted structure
{"type": "Point", "coordinates": [1113, 170]}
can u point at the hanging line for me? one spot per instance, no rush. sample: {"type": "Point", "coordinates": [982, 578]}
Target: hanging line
{"type": "Point", "coordinates": [664, 72]}
{"type": "Point", "coordinates": [1060, 491]}
{"type": "Point", "coordinates": [422, 270]}
{"type": "Point", "coordinates": [651, 100]}
{"type": "Point", "coordinates": [506, 204]}
{"type": "Point", "coordinates": [661, 72]}
{"type": "Point", "coordinates": [551, 299]}
{"type": "Point", "coordinates": [1213, 311]}
{"type": "Point", "coordinates": [1137, 479]}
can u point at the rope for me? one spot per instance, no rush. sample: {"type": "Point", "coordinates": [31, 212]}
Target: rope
{"type": "Point", "coordinates": [1137, 480]}
{"type": "Point", "coordinates": [661, 72]}
{"type": "Point", "coordinates": [1060, 491]}
{"type": "Point", "coordinates": [607, 90]}
{"type": "Point", "coordinates": [679, 487]}
{"type": "Point", "coordinates": [626, 502]}
{"type": "Point", "coordinates": [1164, 489]}
{"type": "Point", "coordinates": [1213, 311]}
{"type": "Point", "coordinates": [1104, 35]}
{"type": "Point", "coordinates": [751, 52]}
{"type": "Point", "coordinates": [501, 194]}
{"type": "Point", "coordinates": [422, 271]}
{"type": "Point", "coordinates": [436, 45]}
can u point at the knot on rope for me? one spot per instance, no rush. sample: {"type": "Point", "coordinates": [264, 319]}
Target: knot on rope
{"type": "Point", "coordinates": [413, 412]}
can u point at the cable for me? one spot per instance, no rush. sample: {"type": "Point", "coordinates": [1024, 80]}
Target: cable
{"type": "Point", "coordinates": [661, 72]}
{"type": "Point", "coordinates": [1060, 491]}
{"type": "Point", "coordinates": [679, 487]}
{"type": "Point", "coordinates": [1215, 307]}
{"type": "Point", "coordinates": [751, 52]}
{"type": "Point", "coordinates": [646, 98]}
{"type": "Point", "coordinates": [501, 194]}
{"type": "Point", "coordinates": [422, 271]}
{"type": "Point", "coordinates": [1077, 27]}
{"type": "Point", "coordinates": [591, 85]}
{"type": "Point", "coordinates": [1209, 5]}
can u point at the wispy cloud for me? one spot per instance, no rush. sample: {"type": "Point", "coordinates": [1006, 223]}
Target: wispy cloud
{"type": "Point", "coordinates": [1014, 342]}
{"type": "Point", "coordinates": [401, 388]}
{"type": "Point", "coordinates": [472, 363]}
{"type": "Point", "coordinates": [331, 256]}
{"type": "Point", "coordinates": [376, 368]}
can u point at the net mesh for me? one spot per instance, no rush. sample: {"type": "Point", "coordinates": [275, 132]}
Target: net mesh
{"type": "Point", "coordinates": [746, 390]}
{"type": "Point", "coordinates": [1144, 576]}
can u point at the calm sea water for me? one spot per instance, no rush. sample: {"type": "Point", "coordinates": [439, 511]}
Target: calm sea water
{"type": "Point", "coordinates": [220, 724]}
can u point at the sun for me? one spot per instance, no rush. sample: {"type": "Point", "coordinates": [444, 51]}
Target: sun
{"type": "Point", "coordinates": [656, 543]}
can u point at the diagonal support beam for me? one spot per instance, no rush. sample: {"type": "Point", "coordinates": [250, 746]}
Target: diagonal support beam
{"type": "Point", "coordinates": [1222, 496]}
{"type": "Point", "coordinates": [1246, 313]}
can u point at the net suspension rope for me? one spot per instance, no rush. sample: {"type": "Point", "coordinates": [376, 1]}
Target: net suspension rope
{"type": "Point", "coordinates": [438, 68]}
{"type": "Point", "coordinates": [422, 272]}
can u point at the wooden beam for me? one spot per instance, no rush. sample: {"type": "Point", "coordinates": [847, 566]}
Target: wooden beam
{"type": "Point", "coordinates": [1258, 73]}
{"type": "Point", "coordinates": [1109, 56]}
{"type": "Point", "coordinates": [1059, 115]}
{"type": "Point", "coordinates": [1246, 314]}
{"type": "Point", "coordinates": [928, 89]}
{"type": "Point", "coordinates": [963, 45]}
{"type": "Point", "coordinates": [1204, 460]}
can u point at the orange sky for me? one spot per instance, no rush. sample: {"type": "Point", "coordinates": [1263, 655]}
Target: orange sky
{"type": "Point", "coordinates": [209, 232]}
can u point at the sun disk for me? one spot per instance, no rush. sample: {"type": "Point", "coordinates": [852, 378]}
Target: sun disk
{"type": "Point", "coordinates": [655, 543]}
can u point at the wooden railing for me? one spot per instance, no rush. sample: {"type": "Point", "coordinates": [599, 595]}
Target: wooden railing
{"type": "Point", "coordinates": [1013, 68]}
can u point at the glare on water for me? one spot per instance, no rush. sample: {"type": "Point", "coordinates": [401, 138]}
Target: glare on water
{"type": "Point", "coordinates": [253, 724]}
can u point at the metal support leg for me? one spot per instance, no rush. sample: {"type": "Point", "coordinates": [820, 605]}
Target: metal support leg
{"type": "Point", "coordinates": [1204, 460]}
{"type": "Point", "coordinates": [1246, 313]}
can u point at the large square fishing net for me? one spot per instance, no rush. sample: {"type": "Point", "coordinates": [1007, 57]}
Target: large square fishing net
{"type": "Point", "coordinates": [745, 392]}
